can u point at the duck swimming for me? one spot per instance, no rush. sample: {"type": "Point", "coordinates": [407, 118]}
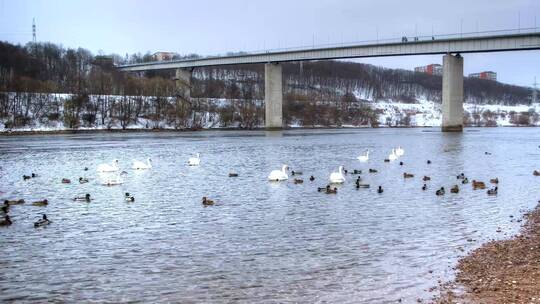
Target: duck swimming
{"type": "Point", "coordinates": [128, 197]}
{"type": "Point", "coordinates": [494, 180]}
{"type": "Point", "coordinates": [426, 178]}
{"type": "Point", "coordinates": [26, 177]}
{"type": "Point", "coordinates": [66, 181]}
{"type": "Point", "coordinates": [85, 198]}
{"type": "Point", "coordinates": [356, 171]}
{"type": "Point", "coordinates": [206, 202]}
{"type": "Point", "coordinates": [478, 185]}
{"type": "Point", "coordinates": [40, 203]}
{"type": "Point", "coordinates": [493, 191]}
{"type": "Point", "coordinates": [465, 181]}
{"type": "Point", "coordinates": [296, 172]}
{"type": "Point", "coordinates": [424, 187]}
{"type": "Point", "coordinates": [13, 202]}
{"type": "Point", "coordinates": [429, 162]}
{"type": "Point", "coordinates": [233, 174]}
{"type": "Point", "coordinates": [401, 163]}
{"type": "Point", "coordinates": [298, 181]}
{"type": "Point", "coordinates": [440, 192]}
{"type": "Point", "coordinates": [42, 222]}
{"type": "Point", "coordinates": [83, 180]}
{"type": "Point", "coordinates": [454, 189]}
{"type": "Point", "coordinates": [461, 176]}
{"type": "Point", "coordinates": [380, 190]}
{"type": "Point", "coordinates": [330, 190]}
{"type": "Point", "coordinates": [311, 178]}
{"type": "Point", "coordinates": [372, 171]}
{"type": "Point", "coordinates": [407, 175]}
{"type": "Point", "coordinates": [536, 173]}
{"type": "Point", "coordinates": [6, 221]}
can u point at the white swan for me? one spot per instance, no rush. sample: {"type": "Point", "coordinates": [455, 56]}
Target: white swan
{"type": "Point", "coordinates": [279, 175]}
{"type": "Point", "coordinates": [194, 161]}
{"type": "Point", "coordinates": [393, 155]}
{"type": "Point", "coordinates": [107, 167]}
{"type": "Point", "coordinates": [337, 177]}
{"type": "Point", "coordinates": [400, 151]}
{"type": "Point", "coordinates": [365, 157]}
{"type": "Point", "coordinates": [138, 165]}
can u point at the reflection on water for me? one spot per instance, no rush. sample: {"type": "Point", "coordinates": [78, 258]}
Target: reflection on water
{"type": "Point", "coordinates": [262, 242]}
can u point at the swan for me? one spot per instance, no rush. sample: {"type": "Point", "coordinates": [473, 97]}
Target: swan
{"type": "Point", "coordinates": [194, 161]}
{"type": "Point", "coordinates": [107, 167]}
{"type": "Point", "coordinates": [138, 165]}
{"type": "Point", "coordinates": [393, 156]}
{"type": "Point", "coordinates": [279, 175]}
{"type": "Point", "coordinates": [365, 157]}
{"type": "Point", "coordinates": [337, 177]}
{"type": "Point", "coordinates": [400, 151]}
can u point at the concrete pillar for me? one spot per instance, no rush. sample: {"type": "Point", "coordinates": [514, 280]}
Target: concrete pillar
{"type": "Point", "coordinates": [183, 83]}
{"type": "Point", "coordinates": [452, 94]}
{"type": "Point", "coordinates": [273, 96]}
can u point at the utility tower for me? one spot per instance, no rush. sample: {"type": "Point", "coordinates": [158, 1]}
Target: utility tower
{"type": "Point", "coordinates": [535, 91]}
{"type": "Point", "coordinates": [34, 30]}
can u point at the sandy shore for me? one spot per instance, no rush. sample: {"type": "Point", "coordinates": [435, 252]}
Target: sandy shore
{"type": "Point", "coordinates": [506, 271]}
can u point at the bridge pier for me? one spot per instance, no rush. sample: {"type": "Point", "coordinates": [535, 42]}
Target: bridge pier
{"type": "Point", "coordinates": [183, 83]}
{"type": "Point", "coordinates": [452, 93]}
{"type": "Point", "coordinates": [273, 96]}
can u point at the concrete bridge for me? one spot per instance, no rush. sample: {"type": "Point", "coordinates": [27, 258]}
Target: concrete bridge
{"type": "Point", "coordinates": [451, 47]}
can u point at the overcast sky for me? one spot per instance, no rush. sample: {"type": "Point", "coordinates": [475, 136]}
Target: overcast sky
{"type": "Point", "coordinates": [209, 27]}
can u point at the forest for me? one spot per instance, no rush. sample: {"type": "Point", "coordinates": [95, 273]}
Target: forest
{"type": "Point", "coordinates": [325, 93]}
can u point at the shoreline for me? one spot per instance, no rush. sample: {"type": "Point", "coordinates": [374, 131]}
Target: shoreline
{"type": "Point", "coordinates": [503, 271]}
{"type": "Point", "coordinates": [87, 131]}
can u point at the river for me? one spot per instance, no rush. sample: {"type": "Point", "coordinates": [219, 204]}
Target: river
{"type": "Point", "coordinates": [263, 241]}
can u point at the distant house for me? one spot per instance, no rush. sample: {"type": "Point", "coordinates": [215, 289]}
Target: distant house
{"type": "Point", "coordinates": [431, 69]}
{"type": "Point", "coordinates": [489, 75]}
{"type": "Point", "coordinates": [163, 56]}
{"type": "Point", "coordinates": [103, 61]}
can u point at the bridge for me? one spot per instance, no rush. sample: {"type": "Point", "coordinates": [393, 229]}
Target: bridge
{"type": "Point", "coordinates": [450, 46]}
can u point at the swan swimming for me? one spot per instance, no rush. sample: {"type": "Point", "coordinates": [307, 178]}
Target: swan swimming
{"type": "Point", "coordinates": [279, 175]}
{"type": "Point", "coordinates": [194, 161]}
{"type": "Point", "coordinates": [337, 177]}
{"type": "Point", "coordinates": [400, 151]}
{"type": "Point", "coordinates": [108, 168]}
{"type": "Point", "coordinates": [365, 157]}
{"type": "Point", "coordinates": [393, 155]}
{"type": "Point", "coordinates": [138, 165]}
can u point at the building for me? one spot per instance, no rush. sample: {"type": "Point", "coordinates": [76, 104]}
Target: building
{"type": "Point", "coordinates": [489, 75]}
{"type": "Point", "coordinates": [163, 56]}
{"type": "Point", "coordinates": [431, 69]}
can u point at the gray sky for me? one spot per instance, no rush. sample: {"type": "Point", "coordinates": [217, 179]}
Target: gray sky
{"type": "Point", "coordinates": [211, 26]}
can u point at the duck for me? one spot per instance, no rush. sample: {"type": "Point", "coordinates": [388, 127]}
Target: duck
{"type": "Point", "coordinates": [440, 192]}
{"type": "Point", "coordinates": [195, 161]}
{"type": "Point", "coordinates": [364, 158]}
{"type": "Point", "coordinates": [311, 178]}
{"type": "Point", "coordinates": [6, 221]}
{"type": "Point", "coordinates": [493, 191]}
{"type": "Point", "coordinates": [14, 202]}
{"type": "Point", "coordinates": [337, 177]}
{"type": "Point", "coordinates": [206, 202]}
{"type": "Point", "coordinates": [85, 198]}
{"type": "Point", "coordinates": [356, 171]}
{"type": "Point", "coordinates": [128, 197]}
{"type": "Point", "coordinates": [426, 178]}
{"type": "Point", "coordinates": [478, 185]}
{"type": "Point", "coordinates": [5, 209]}
{"type": "Point", "coordinates": [401, 163]}
{"type": "Point", "coordinates": [424, 187]}
{"type": "Point", "coordinates": [536, 173]}
{"type": "Point", "coordinates": [34, 175]}
{"type": "Point", "coordinates": [400, 151]}
{"type": "Point", "coordinates": [279, 175]}
{"type": "Point", "coordinates": [113, 181]}
{"type": "Point", "coordinates": [66, 181]}
{"type": "Point", "coordinates": [233, 174]}
{"type": "Point", "coordinates": [487, 153]}
{"type": "Point", "coordinates": [26, 177]}
{"type": "Point", "coordinates": [386, 160]}
{"type": "Point", "coordinates": [428, 162]}
{"type": "Point", "coordinates": [85, 169]}
{"type": "Point", "coordinates": [454, 189]}
{"type": "Point", "coordinates": [42, 222]}
{"type": "Point", "coordinates": [330, 190]}
{"type": "Point", "coordinates": [360, 185]}
{"type": "Point", "coordinates": [494, 180]}
{"type": "Point", "coordinates": [83, 180]}
{"type": "Point", "coordinates": [380, 190]}
{"type": "Point", "coordinates": [139, 165]}
{"type": "Point", "coordinates": [465, 181]}
{"type": "Point", "coordinates": [296, 172]}
{"type": "Point", "coordinates": [393, 156]}
{"type": "Point", "coordinates": [460, 176]}
{"type": "Point", "coordinates": [407, 175]}
{"type": "Point", "coordinates": [298, 181]}
{"type": "Point", "coordinates": [40, 203]}
{"type": "Point", "coordinates": [108, 168]}
{"type": "Point", "coordinates": [372, 171]}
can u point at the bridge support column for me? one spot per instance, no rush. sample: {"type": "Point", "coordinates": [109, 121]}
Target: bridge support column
{"type": "Point", "coordinates": [273, 96]}
{"type": "Point", "coordinates": [183, 83]}
{"type": "Point", "coordinates": [452, 94]}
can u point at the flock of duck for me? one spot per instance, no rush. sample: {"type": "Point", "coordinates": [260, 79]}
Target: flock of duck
{"type": "Point", "coordinates": [335, 178]}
